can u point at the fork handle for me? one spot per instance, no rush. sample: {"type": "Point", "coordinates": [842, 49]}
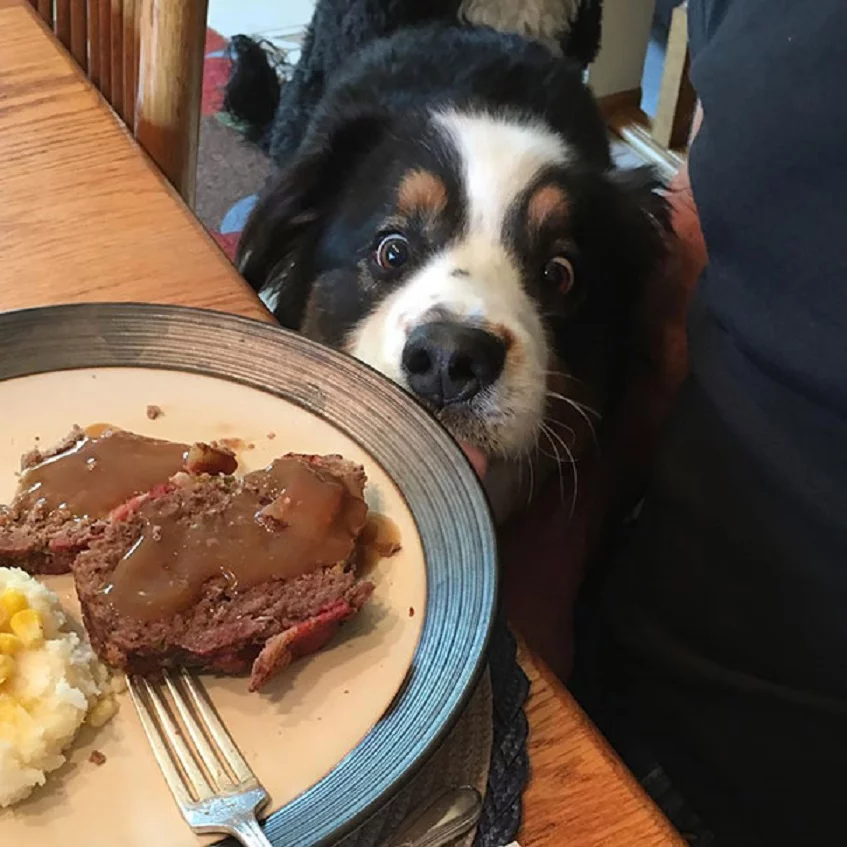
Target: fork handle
{"type": "Point", "coordinates": [249, 833]}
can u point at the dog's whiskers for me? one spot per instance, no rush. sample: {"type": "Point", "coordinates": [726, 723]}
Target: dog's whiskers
{"type": "Point", "coordinates": [583, 410]}
{"type": "Point", "coordinates": [522, 456]}
{"type": "Point", "coordinates": [576, 404]}
{"type": "Point", "coordinates": [525, 454]}
{"type": "Point", "coordinates": [564, 375]}
{"type": "Point", "coordinates": [570, 430]}
{"type": "Point", "coordinates": [553, 437]}
{"type": "Point", "coordinates": [557, 458]}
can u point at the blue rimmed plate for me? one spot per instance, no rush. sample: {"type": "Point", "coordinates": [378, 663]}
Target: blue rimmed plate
{"type": "Point", "coordinates": [341, 731]}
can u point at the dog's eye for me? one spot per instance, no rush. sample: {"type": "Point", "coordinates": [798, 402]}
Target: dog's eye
{"type": "Point", "coordinates": [558, 273]}
{"type": "Point", "coordinates": [392, 251]}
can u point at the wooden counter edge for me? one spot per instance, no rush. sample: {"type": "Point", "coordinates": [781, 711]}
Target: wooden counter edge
{"type": "Point", "coordinates": [538, 672]}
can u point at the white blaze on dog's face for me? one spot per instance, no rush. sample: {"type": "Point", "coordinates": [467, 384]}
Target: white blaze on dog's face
{"type": "Point", "coordinates": [475, 280]}
{"type": "Point", "coordinates": [470, 256]}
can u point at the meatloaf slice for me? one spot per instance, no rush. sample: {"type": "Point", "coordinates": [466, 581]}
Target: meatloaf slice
{"type": "Point", "coordinates": [34, 537]}
{"type": "Point", "coordinates": [43, 529]}
{"type": "Point", "coordinates": [227, 575]}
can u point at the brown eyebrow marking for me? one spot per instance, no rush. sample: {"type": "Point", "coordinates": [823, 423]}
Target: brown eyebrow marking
{"type": "Point", "coordinates": [549, 200]}
{"type": "Point", "coordinates": [421, 191]}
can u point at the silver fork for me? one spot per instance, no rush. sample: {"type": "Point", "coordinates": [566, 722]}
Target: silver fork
{"type": "Point", "coordinates": [212, 784]}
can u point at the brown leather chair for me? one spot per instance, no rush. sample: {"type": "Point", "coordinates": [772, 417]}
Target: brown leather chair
{"type": "Point", "coordinates": [146, 57]}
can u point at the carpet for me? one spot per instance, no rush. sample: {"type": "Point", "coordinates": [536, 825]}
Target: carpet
{"type": "Point", "coordinates": [230, 171]}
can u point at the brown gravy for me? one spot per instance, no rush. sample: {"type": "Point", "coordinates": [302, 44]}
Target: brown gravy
{"type": "Point", "coordinates": [380, 539]}
{"type": "Point", "coordinates": [104, 468]}
{"type": "Point", "coordinates": [312, 521]}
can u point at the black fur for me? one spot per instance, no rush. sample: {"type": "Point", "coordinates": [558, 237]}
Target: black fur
{"type": "Point", "coordinates": [312, 240]}
{"type": "Point", "coordinates": [339, 29]}
{"type": "Point", "coordinates": [315, 223]}
{"type": "Point", "coordinates": [389, 90]}
{"type": "Point", "coordinates": [252, 91]}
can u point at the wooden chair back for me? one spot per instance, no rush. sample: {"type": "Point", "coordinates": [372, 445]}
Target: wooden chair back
{"type": "Point", "coordinates": [146, 57]}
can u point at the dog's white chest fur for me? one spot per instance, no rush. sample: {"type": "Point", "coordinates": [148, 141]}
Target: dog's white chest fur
{"type": "Point", "coordinates": [544, 20]}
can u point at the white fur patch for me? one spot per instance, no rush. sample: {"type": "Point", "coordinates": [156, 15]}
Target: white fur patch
{"type": "Point", "coordinates": [500, 158]}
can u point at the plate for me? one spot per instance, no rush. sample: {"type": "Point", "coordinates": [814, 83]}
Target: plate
{"type": "Point", "coordinates": [338, 733]}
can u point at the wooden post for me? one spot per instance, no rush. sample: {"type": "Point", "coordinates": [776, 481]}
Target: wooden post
{"type": "Point", "coordinates": [116, 56]}
{"type": "Point", "coordinates": [170, 80]}
{"type": "Point", "coordinates": [130, 63]}
{"type": "Point", "coordinates": [104, 15]}
{"type": "Point", "coordinates": [62, 22]}
{"type": "Point", "coordinates": [45, 9]}
{"type": "Point", "coordinates": [79, 33]}
{"type": "Point", "coordinates": [93, 23]}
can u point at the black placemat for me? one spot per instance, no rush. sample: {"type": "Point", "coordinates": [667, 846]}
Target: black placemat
{"type": "Point", "coordinates": [509, 769]}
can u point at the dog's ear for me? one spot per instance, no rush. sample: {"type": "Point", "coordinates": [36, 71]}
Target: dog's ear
{"type": "Point", "coordinates": [275, 252]}
{"type": "Point", "coordinates": [640, 219]}
{"type": "Point", "coordinates": [645, 196]}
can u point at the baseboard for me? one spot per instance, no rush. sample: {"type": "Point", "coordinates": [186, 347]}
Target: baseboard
{"type": "Point", "coordinates": [621, 101]}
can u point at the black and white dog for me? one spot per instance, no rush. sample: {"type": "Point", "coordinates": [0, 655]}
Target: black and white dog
{"type": "Point", "coordinates": [452, 217]}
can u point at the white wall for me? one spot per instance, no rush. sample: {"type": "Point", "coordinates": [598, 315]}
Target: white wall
{"type": "Point", "coordinates": [626, 33]}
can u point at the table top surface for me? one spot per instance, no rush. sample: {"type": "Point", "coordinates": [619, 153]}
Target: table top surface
{"type": "Point", "coordinates": [85, 216]}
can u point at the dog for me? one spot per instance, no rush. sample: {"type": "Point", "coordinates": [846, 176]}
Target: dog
{"type": "Point", "coordinates": [452, 217]}
{"type": "Point", "coordinates": [277, 118]}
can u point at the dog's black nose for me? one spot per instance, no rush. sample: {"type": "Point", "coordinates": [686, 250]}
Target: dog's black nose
{"type": "Point", "coordinates": [449, 362]}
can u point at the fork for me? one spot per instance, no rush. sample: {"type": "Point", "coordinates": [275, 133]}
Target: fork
{"type": "Point", "coordinates": [211, 783]}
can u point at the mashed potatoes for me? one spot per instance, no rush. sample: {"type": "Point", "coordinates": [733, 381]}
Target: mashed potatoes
{"type": "Point", "coordinates": [50, 684]}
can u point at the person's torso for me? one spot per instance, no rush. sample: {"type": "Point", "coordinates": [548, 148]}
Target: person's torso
{"type": "Point", "coordinates": [733, 594]}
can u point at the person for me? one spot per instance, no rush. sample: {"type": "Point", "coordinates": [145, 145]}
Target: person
{"type": "Point", "coordinates": [712, 649]}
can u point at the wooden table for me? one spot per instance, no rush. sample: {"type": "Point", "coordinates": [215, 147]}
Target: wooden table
{"type": "Point", "coordinates": [84, 216]}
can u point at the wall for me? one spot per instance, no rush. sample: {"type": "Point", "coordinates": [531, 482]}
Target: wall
{"type": "Point", "coordinates": [626, 33]}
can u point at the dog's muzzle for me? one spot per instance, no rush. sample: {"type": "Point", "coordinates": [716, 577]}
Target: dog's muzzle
{"type": "Point", "coordinates": [447, 363]}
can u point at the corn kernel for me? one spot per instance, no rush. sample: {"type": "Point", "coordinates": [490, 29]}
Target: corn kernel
{"type": "Point", "coordinates": [13, 601]}
{"type": "Point", "coordinates": [8, 709]}
{"type": "Point", "coordinates": [7, 668]}
{"type": "Point", "coordinates": [102, 711]}
{"type": "Point", "coordinates": [8, 716]}
{"type": "Point", "coordinates": [5, 617]}
{"type": "Point", "coordinates": [27, 626]}
{"type": "Point", "coordinates": [9, 644]}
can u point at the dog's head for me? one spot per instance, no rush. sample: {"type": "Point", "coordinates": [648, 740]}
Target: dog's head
{"type": "Point", "coordinates": [470, 256]}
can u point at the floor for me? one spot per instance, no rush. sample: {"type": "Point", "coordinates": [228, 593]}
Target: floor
{"type": "Point", "coordinates": [279, 21]}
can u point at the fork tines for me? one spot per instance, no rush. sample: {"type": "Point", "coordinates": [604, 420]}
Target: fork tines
{"type": "Point", "coordinates": [196, 754]}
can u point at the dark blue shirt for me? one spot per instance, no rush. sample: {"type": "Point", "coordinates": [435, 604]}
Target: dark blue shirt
{"type": "Point", "coordinates": [730, 606]}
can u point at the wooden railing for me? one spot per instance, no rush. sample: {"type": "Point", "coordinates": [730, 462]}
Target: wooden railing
{"type": "Point", "coordinates": [146, 57]}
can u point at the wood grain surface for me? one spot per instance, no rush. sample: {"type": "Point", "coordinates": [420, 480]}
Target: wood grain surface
{"type": "Point", "coordinates": [86, 217]}
{"type": "Point", "coordinates": [580, 793]}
